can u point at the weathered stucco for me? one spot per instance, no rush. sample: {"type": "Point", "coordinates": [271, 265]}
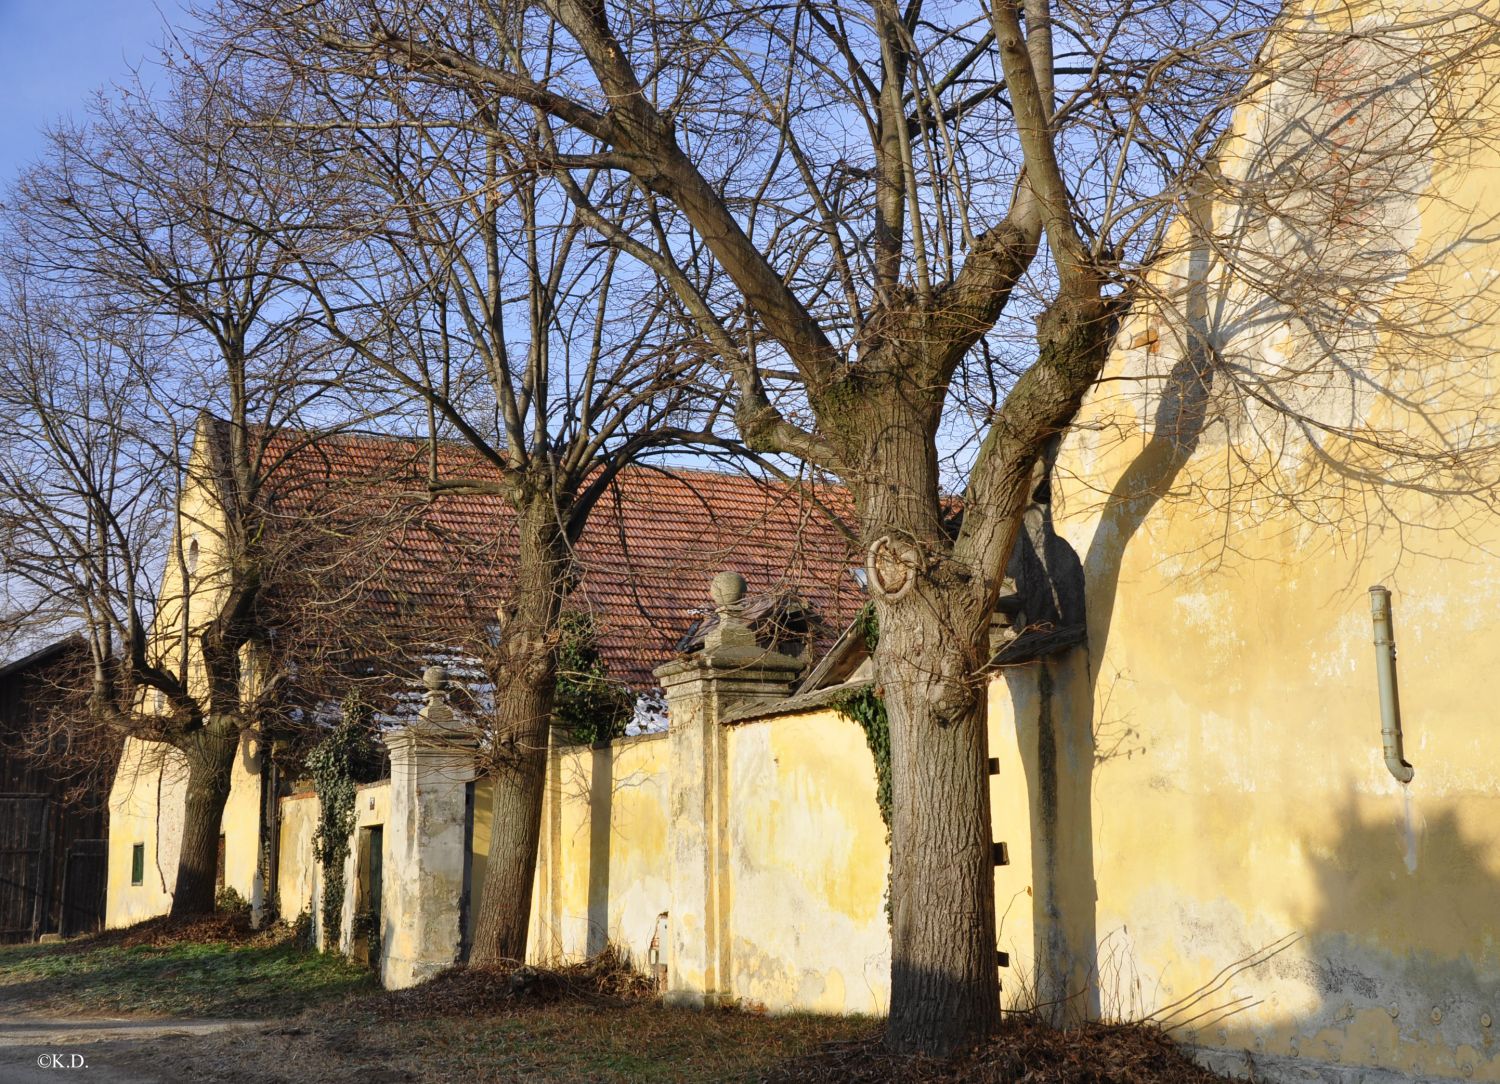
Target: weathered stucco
{"type": "Point", "coordinates": [802, 873]}
{"type": "Point", "coordinates": [146, 806]}
{"type": "Point", "coordinates": [1201, 791]}
{"type": "Point", "coordinates": [427, 842]}
{"type": "Point", "coordinates": [299, 882]}
{"type": "Point", "coordinates": [1239, 816]}
{"type": "Point", "coordinates": [297, 872]}
{"type": "Point", "coordinates": [602, 869]}
{"type": "Point", "coordinates": [808, 865]}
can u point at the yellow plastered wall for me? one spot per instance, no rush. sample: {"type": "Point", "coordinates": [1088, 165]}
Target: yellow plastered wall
{"type": "Point", "coordinates": [148, 784]}
{"type": "Point", "coordinates": [146, 807]}
{"type": "Point", "coordinates": [808, 865]}
{"type": "Point", "coordinates": [299, 880]}
{"type": "Point", "coordinates": [1010, 820]}
{"type": "Point", "coordinates": [479, 852]}
{"type": "Point", "coordinates": [297, 872]}
{"type": "Point", "coordinates": [804, 867]}
{"type": "Point", "coordinates": [602, 866]}
{"type": "Point", "coordinates": [1249, 872]}
{"type": "Point", "coordinates": [1262, 881]}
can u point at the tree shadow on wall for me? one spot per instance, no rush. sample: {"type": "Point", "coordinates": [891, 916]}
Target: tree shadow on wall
{"type": "Point", "coordinates": [601, 817]}
{"type": "Point", "coordinates": [1408, 918]}
{"type": "Point", "coordinates": [1401, 946]}
{"type": "Point", "coordinates": [588, 789]}
{"type": "Point", "coordinates": [1324, 323]}
{"type": "Point", "coordinates": [1054, 697]}
{"type": "Point", "coordinates": [1058, 700]}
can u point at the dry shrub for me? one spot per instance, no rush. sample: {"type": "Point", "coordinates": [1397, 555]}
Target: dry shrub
{"type": "Point", "coordinates": [1026, 1051]}
{"type": "Point", "coordinates": [232, 927]}
{"type": "Point", "coordinates": [605, 979]}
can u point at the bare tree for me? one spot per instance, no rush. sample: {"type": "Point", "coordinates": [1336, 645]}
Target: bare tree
{"type": "Point", "coordinates": [470, 281]}
{"type": "Point", "coordinates": [845, 199]}
{"type": "Point", "coordinates": [87, 467]}
{"type": "Point", "coordinates": [897, 230]}
{"type": "Point", "coordinates": [156, 290]}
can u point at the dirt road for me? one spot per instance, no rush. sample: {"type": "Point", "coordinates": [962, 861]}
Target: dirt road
{"type": "Point", "coordinates": [42, 1050]}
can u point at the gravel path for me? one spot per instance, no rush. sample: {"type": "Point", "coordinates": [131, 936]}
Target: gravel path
{"type": "Point", "coordinates": [37, 1049]}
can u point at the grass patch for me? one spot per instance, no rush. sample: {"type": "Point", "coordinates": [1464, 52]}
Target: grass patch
{"type": "Point", "coordinates": [650, 1043]}
{"type": "Point", "coordinates": [566, 1041]}
{"type": "Point", "coordinates": [130, 973]}
{"type": "Point", "coordinates": [594, 1021]}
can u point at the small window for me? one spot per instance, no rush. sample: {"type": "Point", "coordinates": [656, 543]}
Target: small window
{"type": "Point", "coordinates": [138, 864]}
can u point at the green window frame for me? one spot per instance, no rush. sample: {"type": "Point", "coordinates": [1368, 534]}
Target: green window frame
{"type": "Point", "coordinates": [138, 864]}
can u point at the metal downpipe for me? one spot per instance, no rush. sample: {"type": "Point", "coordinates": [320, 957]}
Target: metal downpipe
{"type": "Point", "coordinates": [1385, 672]}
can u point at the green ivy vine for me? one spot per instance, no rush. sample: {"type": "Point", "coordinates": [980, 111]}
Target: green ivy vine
{"type": "Point", "coordinates": [869, 626]}
{"type": "Point", "coordinates": [866, 707]}
{"type": "Point", "coordinates": [338, 764]}
{"type": "Point", "coordinates": [588, 707]}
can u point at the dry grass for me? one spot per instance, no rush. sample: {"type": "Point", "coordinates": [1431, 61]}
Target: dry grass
{"type": "Point", "coordinates": [1026, 1051]}
{"type": "Point", "coordinates": [601, 1021]}
{"type": "Point", "coordinates": [221, 927]}
{"type": "Point", "coordinates": [567, 1040]}
{"type": "Point", "coordinates": [593, 1021]}
{"type": "Point", "coordinates": [563, 1041]}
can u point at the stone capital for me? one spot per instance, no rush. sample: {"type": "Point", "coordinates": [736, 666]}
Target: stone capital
{"type": "Point", "coordinates": [438, 733]}
{"type": "Point", "coordinates": [731, 666]}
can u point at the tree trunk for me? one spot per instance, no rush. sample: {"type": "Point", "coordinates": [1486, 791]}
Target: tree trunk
{"type": "Point", "coordinates": [523, 716]}
{"type": "Point", "coordinates": [945, 987]}
{"type": "Point", "coordinates": [515, 824]}
{"type": "Point", "coordinates": [210, 753]}
{"type": "Point", "coordinates": [934, 617]}
{"type": "Point", "coordinates": [931, 663]}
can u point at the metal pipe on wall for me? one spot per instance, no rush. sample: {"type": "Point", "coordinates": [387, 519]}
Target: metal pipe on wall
{"type": "Point", "coordinates": [1385, 673]}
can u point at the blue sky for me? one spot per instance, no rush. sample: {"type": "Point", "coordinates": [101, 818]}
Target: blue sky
{"type": "Point", "coordinates": [54, 53]}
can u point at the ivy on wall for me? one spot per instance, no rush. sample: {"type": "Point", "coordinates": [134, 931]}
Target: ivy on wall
{"type": "Point", "coordinates": [347, 757]}
{"type": "Point", "coordinates": [589, 707]}
{"type": "Point", "coordinates": [366, 928]}
{"type": "Point", "coordinates": [865, 707]}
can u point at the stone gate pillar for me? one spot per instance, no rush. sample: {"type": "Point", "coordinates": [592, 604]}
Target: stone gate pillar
{"type": "Point", "coordinates": [731, 671]}
{"type": "Point", "coordinates": [426, 839]}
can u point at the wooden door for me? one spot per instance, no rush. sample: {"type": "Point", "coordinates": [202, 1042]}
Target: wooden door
{"type": "Point", "coordinates": [23, 842]}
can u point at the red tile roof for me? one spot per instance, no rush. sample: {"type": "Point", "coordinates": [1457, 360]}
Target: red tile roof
{"type": "Point", "coordinates": [437, 566]}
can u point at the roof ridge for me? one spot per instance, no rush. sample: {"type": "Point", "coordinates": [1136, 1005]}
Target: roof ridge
{"type": "Point", "coordinates": [334, 436]}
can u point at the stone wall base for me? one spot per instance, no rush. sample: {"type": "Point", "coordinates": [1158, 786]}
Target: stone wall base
{"type": "Point", "coordinates": [1281, 1069]}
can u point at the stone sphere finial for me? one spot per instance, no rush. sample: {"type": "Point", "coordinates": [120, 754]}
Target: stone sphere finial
{"type": "Point", "coordinates": [727, 589]}
{"type": "Point", "coordinates": [435, 678]}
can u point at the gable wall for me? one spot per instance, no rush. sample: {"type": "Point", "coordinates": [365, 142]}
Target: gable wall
{"type": "Point", "coordinates": [1217, 843]}
{"type": "Point", "coordinates": [146, 800]}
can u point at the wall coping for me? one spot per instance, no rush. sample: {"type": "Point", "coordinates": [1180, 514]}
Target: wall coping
{"type": "Point", "coordinates": [799, 704]}
{"type": "Point", "coordinates": [299, 794]}
{"type": "Point", "coordinates": [624, 739]}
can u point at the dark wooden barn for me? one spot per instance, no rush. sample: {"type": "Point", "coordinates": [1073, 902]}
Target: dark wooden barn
{"type": "Point", "coordinates": [54, 802]}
